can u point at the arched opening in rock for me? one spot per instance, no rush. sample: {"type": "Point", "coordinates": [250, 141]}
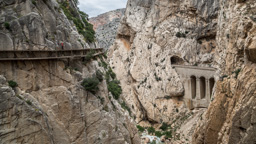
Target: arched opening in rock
{"type": "Point", "coordinates": [212, 82]}
{"type": "Point", "coordinates": [193, 86]}
{"type": "Point", "coordinates": [175, 60]}
{"type": "Point", "coordinates": [202, 87]}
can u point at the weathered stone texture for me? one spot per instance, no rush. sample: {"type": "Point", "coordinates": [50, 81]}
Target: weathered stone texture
{"type": "Point", "coordinates": [230, 117]}
{"type": "Point", "coordinates": [106, 26]}
{"type": "Point", "coordinates": [50, 106]}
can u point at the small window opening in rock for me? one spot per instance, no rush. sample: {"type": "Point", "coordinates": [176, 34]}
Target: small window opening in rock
{"type": "Point", "coordinates": [176, 60]}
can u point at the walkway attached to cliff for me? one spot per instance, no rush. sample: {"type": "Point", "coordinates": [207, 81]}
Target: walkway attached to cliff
{"type": "Point", "coordinates": [31, 55]}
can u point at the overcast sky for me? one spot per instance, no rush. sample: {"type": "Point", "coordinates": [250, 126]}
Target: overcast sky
{"type": "Point", "coordinates": [96, 7]}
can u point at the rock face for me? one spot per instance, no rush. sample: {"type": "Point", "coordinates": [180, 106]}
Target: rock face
{"type": "Point", "coordinates": [156, 34]}
{"type": "Point", "coordinates": [36, 25]}
{"type": "Point", "coordinates": [106, 26]}
{"type": "Point", "coordinates": [153, 36]}
{"type": "Point", "coordinates": [49, 105]}
{"type": "Point", "coordinates": [231, 116]}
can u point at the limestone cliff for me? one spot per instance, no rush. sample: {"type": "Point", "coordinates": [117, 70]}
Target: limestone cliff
{"type": "Point", "coordinates": [43, 101]}
{"type": "Point", "coordinates": [157, 35]}
{"type": "Point", "coordinates": [231, 116]}
{"type": "Point", "coordinates": [106, 26]}
{"type": "Point", "coordinates": [152, 37]}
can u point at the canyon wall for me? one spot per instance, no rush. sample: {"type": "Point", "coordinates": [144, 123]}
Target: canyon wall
{"type": "Point", "coordinates": [154, 36]}
{"type": "Point", "coordinates": [152, 33]}
{"type": "Point", "coordinates": [48, 104]}
{"type": "Point", "coordinates": [106, 26]}
{"type": "Point", "coordinates": [231, 116]}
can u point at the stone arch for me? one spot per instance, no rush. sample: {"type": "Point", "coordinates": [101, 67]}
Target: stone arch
{"type": "Point", "coordinates": [193, 87]}
{"type": "Point", "coordinates": [176, 60]}
{"type": "Point", "coordinates": [202, 88]}
{"type": "Point", "coordinates": [212, 82]}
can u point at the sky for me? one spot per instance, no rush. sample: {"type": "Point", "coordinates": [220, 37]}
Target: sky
{"type": "Point", "coordinates": [96, 7]}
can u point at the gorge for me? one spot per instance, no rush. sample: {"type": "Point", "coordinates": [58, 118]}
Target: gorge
{"type": "Point", "coordinates": [180, 70]}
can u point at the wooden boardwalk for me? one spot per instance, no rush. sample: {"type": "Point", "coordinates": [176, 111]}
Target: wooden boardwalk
{"type": "Point", "coordinates": [31, 55]}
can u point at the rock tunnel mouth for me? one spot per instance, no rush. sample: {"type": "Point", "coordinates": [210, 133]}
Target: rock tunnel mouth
{"type": "Point", "coordinates": [176, 60]}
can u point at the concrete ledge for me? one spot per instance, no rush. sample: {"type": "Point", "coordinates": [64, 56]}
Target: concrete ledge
{"type": "Point", "coordinates": [194, 67]}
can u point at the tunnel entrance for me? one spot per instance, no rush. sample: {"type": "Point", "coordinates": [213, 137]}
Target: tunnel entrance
{"type": "Point", "coordinates": [175, 60]}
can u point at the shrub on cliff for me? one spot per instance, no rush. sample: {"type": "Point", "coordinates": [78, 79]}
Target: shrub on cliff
{"type": "Point", "coordinates": [140, 128]}
{"type": "Point", "coordinates": [164, 126]}
{"type": "Point", "coordinates": [91, 84]}
{"type": "Point", "coordinates": [12, 84]}
{"type": "Point", "coordinates": [151, 130]}
{"type": "Point", "coordinates": [158, 134]}
{"type": "Point", "coordinates": [99, 75]}
{"type": "Point", "coordinates": [83, 26]}
{"type": "Point", "coordinates": [115, 89]}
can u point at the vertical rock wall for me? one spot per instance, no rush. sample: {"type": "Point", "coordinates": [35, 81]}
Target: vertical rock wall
{"type": "Point", "coordinates": [151, 33]}
{"type": "Point", "coordinates": [231, 116]}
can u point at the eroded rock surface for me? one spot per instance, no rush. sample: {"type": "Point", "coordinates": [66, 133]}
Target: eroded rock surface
{"type": "Point", "coordinates": [106, 26]}
{"type": "Point", "coordinates": [151, 33]}
{"type": "Point", "coordinates": [49, 105]}
{"type": "Point", "coordinates": [231, 116]}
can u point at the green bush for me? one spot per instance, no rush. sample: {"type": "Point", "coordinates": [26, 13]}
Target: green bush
{"type": "Point", "coordinates": [104, 64]}
{"type": "Point", "coordinates": [158, 134]}
{"type": "Point", "coordinates": [99, 75]}
{"type": "Point", "coordinates": [115, 89]}
{"type": "Point", "coordinates": [168, 134]}
{"type": "Point", "coordinates": [140, 128]}
{"type": "Point", "coordinates": [91, 84]}
{"type": "Point", "coordinates": [111, 73]}
{"type": "Point", "coordinates": [151, 130]}
{"type": "Point", "coordinates": [7, 25]}
{"type": "Point", "coordinates": [164, 126]}
{"type": "Point", "coordinates": [12, 84]}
